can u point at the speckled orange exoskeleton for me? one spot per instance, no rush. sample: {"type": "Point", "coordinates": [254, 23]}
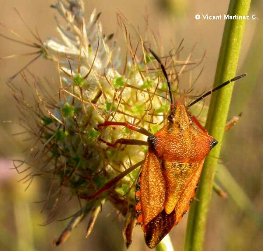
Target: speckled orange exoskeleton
{"type": "Point", "coordinates": [172, 167]}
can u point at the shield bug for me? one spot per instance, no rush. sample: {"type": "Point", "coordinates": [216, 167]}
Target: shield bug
{"type": "Point", "coordinates": [172, 167]}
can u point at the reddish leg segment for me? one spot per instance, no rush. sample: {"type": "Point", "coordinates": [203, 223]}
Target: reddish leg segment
{"type": "Point", "coordinates": [125, 141]}
{"type": "Point", "coordinates": [111, 183]}
{"type": "Point", "coordinates": [127, 125]}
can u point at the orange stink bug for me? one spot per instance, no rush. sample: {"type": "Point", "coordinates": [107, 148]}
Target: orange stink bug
{"type": "Point", "coordinates": [172, 167]}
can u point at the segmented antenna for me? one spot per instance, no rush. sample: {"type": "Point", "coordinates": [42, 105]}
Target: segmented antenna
{"type": "Point", "coordinates": [202, 96]}
{"type": "Point", "coordinates": [216, 88]}
{"type": "Point", "coordinates": [165, 75]}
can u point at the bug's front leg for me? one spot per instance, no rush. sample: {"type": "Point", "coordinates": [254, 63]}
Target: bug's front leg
{"type": "Point", "coordinates": [127, 125]}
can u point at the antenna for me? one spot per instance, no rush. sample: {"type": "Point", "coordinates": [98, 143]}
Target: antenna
{"type": "Point", "coordinates": [216, 88]}
{"type": "Point", "coordinates": [164, 73]}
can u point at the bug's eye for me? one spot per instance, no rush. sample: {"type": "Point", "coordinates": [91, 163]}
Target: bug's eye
{"type": "Point", "coordinates": [213, 143]}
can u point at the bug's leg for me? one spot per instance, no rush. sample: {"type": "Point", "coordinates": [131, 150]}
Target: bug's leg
{"type": "Point", "coordinates": [231, 123]}
{"type": "Point", "coordinates": [127, 125]}
{"type": "Point", "coordinates": [74, 222]}
{"type": "Point", "coordinates": [111, 183]}
{"type": "Point", "coordinates": [125, 141]}
{"type": "Point", "coordinates": [220, 191]}
{"type": "Point", "coordinates": [129, 226]}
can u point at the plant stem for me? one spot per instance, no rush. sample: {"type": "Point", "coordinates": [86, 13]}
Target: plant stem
{"type": "Point", "coordinates": [216, 120]}
{"type": "Point", "coordinates": [165, 244]}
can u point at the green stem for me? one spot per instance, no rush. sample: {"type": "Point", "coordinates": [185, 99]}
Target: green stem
{"type": "Point", "coordinates": [216, 120]}
{"type": "Point", "coordinates": [165, 244]}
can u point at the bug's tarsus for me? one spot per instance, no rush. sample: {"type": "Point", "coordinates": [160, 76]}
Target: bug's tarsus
{"type": "Point", "coordinates": [216, 88]}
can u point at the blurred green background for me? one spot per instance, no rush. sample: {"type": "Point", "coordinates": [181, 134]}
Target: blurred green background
{"type": "Point", "coordinates": [231, 225]}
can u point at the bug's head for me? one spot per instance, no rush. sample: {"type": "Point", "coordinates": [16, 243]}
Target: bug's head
{"type": "Point", "coordinates": [178, 113]}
